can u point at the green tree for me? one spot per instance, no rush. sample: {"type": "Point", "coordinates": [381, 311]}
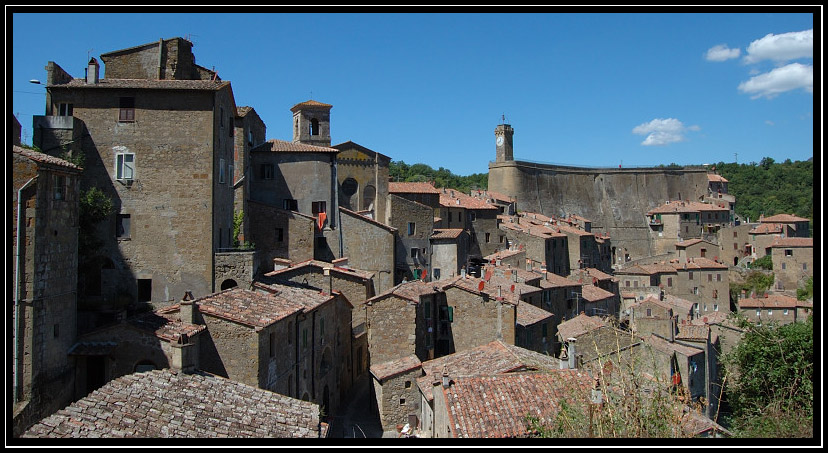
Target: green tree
{"type": "Point", "coordinates": [765, 262]}
{"type": "Point", "coordinates": [807, 291]}
{"type": "Point", "coordinates": [769, 381]}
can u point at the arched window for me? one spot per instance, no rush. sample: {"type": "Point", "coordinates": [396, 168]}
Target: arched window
{"type": "Point", "coordinates": [145, 365]}
{"type": "Point", "coordinates": [368, 196]}
{"type": "Point", "coordinates": [229, 283]}
{"type": "Point", "coordinates": [314, 126]}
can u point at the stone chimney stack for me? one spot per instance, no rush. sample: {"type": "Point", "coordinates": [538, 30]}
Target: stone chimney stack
{"type": "Point", "coordinates": [184, 355]}
{"type": "Point", "coordinates": [187, 308]}
{"type": "Point", "coordinates": [446, 380]}
{"type": "Point", "coordinates": [92, 72]}
{"type": "Point", "coordinates": [571, 353]}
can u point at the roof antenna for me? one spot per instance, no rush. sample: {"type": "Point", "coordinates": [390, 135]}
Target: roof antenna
{"type": "Point", "coordinates": [88, 52]}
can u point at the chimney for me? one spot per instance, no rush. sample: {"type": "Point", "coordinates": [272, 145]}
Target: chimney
{"type": "Point", "coordinates": [327, 272]}
{"type": "Point", "coordinates": [184, 355]}
{"type": "Point", "coordinates": [571, 352]}
{"type": "Point", "coordinates": [341, 262]}
{"type": "Point", "coordinates": [463, 272]}
{"type": "Point", "coordinates": [281, 263]}
{"type": "Point", "coordinates": [92, 72]}
{"type": "Point", "coordinates": [446, 380]}
{"type": "Point", "coordinates": [187, 308]}
{"type": "Point", "coordinates": [563, 358]}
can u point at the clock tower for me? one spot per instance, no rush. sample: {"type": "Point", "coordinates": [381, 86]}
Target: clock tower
{"type": "Point", "coordinates": [503, 143]}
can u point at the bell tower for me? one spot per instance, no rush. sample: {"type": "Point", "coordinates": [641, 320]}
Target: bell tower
{"type": "Point", "coordinates": [503, 142]}
{"type": "Point", "coordinates": [312, 123]}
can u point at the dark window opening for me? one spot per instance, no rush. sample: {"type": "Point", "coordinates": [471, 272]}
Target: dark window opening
{"type": "Point", "coordinates": [267, 171]}
{"type": "Point", "coordinates": [127, 109]}
{"type": "Point", "coordinates": [122, 226]}
{"type": "Point", "coordinates": [64, 109]}
{"type": "Point", "coordinates": [291, 205]}
{"type": "Point", "coordinates": [280, 234]}
{"type": "Point", "coordinates": [314, 126]}
{"type": "Point", "coordinates": [229, 283]}
{"type": "Point", "coordinates": [144, 289]}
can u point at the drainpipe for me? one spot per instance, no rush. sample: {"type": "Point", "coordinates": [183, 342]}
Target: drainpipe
{"type": "Point", "coordinates": [160, 56]}
{"type": "Point", "coordinates": [17, 260]}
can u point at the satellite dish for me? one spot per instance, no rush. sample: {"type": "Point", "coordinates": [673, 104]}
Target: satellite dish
{"type": "Point", "coordinates": [481, 285]}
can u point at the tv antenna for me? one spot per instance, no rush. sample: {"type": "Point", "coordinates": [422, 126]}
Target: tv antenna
{"type": "Point", "coordinates": [88, 54]}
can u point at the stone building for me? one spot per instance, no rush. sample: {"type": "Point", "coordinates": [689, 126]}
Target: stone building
{"type": "Point", "coordinates": [490, 358]}
{"type": "Point", "coordinates": [370, 246]}
{"type": "Point", "coordinates": [363, 176]}
{"type": "Point", "coordinates": [598, 302]}
{"type": "Point", "coordinates": [414, 223]}
{"type": "Point", "coordinates": [43, 318]}
{"type": "Point", "coordinates": [675, 221]}
{"type": "Point", "coordinates": [735, 244]}
{"type": "Point", "coordinates": [284, 338]}
{"type": "Point", "coordinates": [476, 216]}
{"type": "Point", "coordinates": [792, 226]}
{"type": "Point", "coordinates": [512, 256]}
{"type": "Point", "coordinates": [449, 253]}
{"type": "Point", "coordinates": [702, 281]}
{"type": "Point", "coordinates": [534, 329]}
{"type": "Point", "coordinates": [395, 389]}
{"type": "Point", "coordinates": [774, 308]}
{"type": "Point", "coordinates": [546, 248]}
{"type": "Point", "coordinates": [157, 136]}
{"type": "Point", "coordinates": [165, 403]}
{"type": "Point", "coordinates": [250, 132]}
{"type": "Point", "coordinates": [280, 233]}
{"type": "Point", "coordinates": [150, 341]}
{"type": "Point", "coordinates": [793, 262]}
{"type": "Point", "coordinates": [698, 248]}
{"type": "Point", "coordinates": [299, 178]}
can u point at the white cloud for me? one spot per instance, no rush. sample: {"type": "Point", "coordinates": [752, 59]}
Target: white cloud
{"type": "Point", "coordinates": [769, 122]}
{"type": "Point", "coordinates": [662, 131]}
{"type": "Point", "coordinates": [721, 53]}
{"type": "Point", "coordinates": [781, 48]}
{"type": "Point", "coordinates": [780, 80]}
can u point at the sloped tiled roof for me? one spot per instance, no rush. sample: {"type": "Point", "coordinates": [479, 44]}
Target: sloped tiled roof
{"type": "Point", "coordinates": [678, 207]}
{"type": "Point", "coordinates": [161, 403]}
{"type": "Point", "coordinates": [166, 324]}
{"type": "Point", "coordinates": [782, 218]}
{"type": "Point", "coordinates": [490, 358]}
{"type": "Point", "coordinates": [766, 228]}
{"type": "Point", "coordinates": [503, 254]}
{"type": "Point", "coordinates": [552, 280]}
{"type": "Point", "coordinates": [592, 293]}
{"type": "Point", "coordinates": [691, 242]}
{"type": "Point", "coordinates": [665, 346]}
{"type": "Point", "coordinates": [309, 103]}
{"type": "Point", "coordinates": [43, 158]}
{"type": "Point", "coordinates": [528, 314]}
{"type": "Point", "coordinates": [410, 291]}
{"type": "Point", "coordinates": [692, 332]}
{"type": "Point", "coordinates": [711, 177]}
{"type": "Point", "coordinates": [283, 146]}
{"type": "Point", "coordinates": [497, 406]}
{"type": "Point", "coordinates": [697, 263]}
{"type": "Point", "coordinates": [447, 233]}
{"type": "Point", "coordinates": [321, 265]}
{"type": "Point", "coordinates": [165, 84]}
{"type": "Point", "coordinates": [793, 242]}
{"type": "Point", "coordinates": [450, 198]}
{"type": "Point", "coordinates": [394, 367]}
{"type": "Point", "coordinates": [255, 308]}
{"type": "Point", "coordinates": [579, 325]}
{"type": "Point", "coordinates": [411, 187]}
{"type": "Point", "coordinates": [771, 301]}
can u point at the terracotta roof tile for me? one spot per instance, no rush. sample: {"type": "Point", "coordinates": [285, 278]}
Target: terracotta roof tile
{"type": "Point", "coordinates": [161, 403]}
{"type": "Point", "coordinates": [771, 301]}
{"type": "Point", "coordinates": [782, 218]}
{"type": "Point", "coordinates": [385, 370]}
{"type": "Point", "coordinates": [257, 308]}
{"type": "Point", "coordinates": [490, 358]}
{"type": "Point", "coordinates": [43, 158]}
{"type": "Point", "coordinates": [496, 406]}
{"type": "Point", "coordinates": [321, 265]}
{"type": "Point", "coordinates": [411, 187]}
{"type": "Point", "coordinates": [715, 178]}
{"type": "Point", "coordinates": [665, 346]}
{"type": "Point", "coordinates": [528, 314]}
{"type": "Point", "coordinates": [309, 103]}
{"type": "Point", "coordinates": [552, 280]}
{"type": "Point", "coordinates": [411, 291]}
{"type": "Point", "coordinates": [677, 207]}
{"type": "Point", "coordinates": [579, 325]}
{"type": "Point", "coordinates": [166, 323]}
{"type": "Point", "coordinates": [283, 146]}
{"type": "Point", "coordinates": [793, 242]}
{"type": "Point", "coordinates": [592, 293]}
{"type": "Point", "coordinates": [697, 263]}
{"type": "Point", "coordinates": [503, 254]}
{"type": "Point", "coordinates": [693, 332]}
{"type": "Point", "coordinates": [450, 198]}
{"type": "Point", "coordinates": [166, 84]}
{"type": "Point", "coordinates": [766, 228]}
{"type": "Point", "coordinates": [448, 233]}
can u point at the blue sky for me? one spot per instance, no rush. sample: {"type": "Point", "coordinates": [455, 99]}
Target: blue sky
{"type": "Point", "coordinates": [636, 89]}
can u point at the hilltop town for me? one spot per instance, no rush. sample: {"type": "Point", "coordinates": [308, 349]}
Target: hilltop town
{"type": "Point", "coordinates": [177, 273]}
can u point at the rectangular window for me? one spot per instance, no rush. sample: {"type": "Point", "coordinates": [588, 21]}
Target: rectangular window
{"type": "Point", "coordinates": [266, 171]}
{"type": "Point", "coordinates": [231, 129]}
{"type": "Point", "coordinates": [788, 252]}
{"type": "Point", "coordinates": [472, 217]}
{"type": "Point", "coordinates": [501, 241]}
{"type": "Point", "coordinates": [710, 277]}
{"type": "Point", "coordinates": [318, 207]}
{"type": "Point", "coordinates": [60, 187]}
{"type": "Point", "coordinates": [125, 166]}
{"type": "Point", "coordinates": [715, 307]}
{"type": "Point", "coordinates": [690, 275]}
{"type": "Point", "coordinates": [544, 330]}
{"type": "Point", "coordinates": [649, 312]}
{"type": "Point", "coordinates": [290, 205]}
{"type": "Point", "coordinates": [64, 109]}
{"type": "Point", "coordinates": [695, 290]}
{"type": "Point", "coordinates": [144, 289]}
{"type": "Point", "coordinates": [669, 281]}
{"type": "Point", "coordinates": [411, 226]}
{"type": "Point", "coordinates": [230, 170]}
{"type": "Point", "coordinates": [804, 266]}
{"type": "Point", "coordinates": [696, 307]}
{"type": "Point", "coordinates": [783, 266]}
{"type": "Point", "coordinates": [221, 171]}
{"type": "Point", "coordinates": [280, 234]}
{"type": "Point", "coordinates": [304, 338]}
{"type": "Point", "coordinates": [735, 246]}
{"type": "Point", "coordinates": [718, 277]}
{"type": "Point", "coordinates": [735, 234]}
{"type": "Point", "coordinates": [627, 283]}
{"type": "Point", "coordinates": [488, 236]}
{"type": "Point", "coordinates": [427, 309]}
{"type": "Point", "coordinates": [414, 252]}
{"type": "Point", "coordinates": [272, 343]}
{"type": "Point", "coordinates": [122, 226]}
{"type": "Point", "coordinates": [56, 330]}
{"type": "Point", "coordinates": [785, 311]}
{"type": "Point", "coordinates": [770, 312]}
{"type": "Point", "coordinates": [126, 109]}
{"type": "Point", "coordinates": [758, 312]}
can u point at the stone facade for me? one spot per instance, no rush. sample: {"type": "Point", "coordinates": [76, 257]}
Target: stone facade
{"type": "Point", "coordinates": [167, 59]}
{"type": "Point", "coordinates": [362, 175]}
{"type": "Point", "coordinates": [369, 246]}
{"type": "Point", "coordinates": [45, 193]}
{"type": "Point", "coordinates": [250, 132]}
{"type": "Point", "coordinates": [280, 233]}
{"type": "Point", "coordinates": [675, 221]}
{"type": "Point", "coordinates": [236, 268]}
{"type": "Point", "coordinates": [449, 253]}
{"type": "Point", "coordinates": [414, 223]}
{"type": "Point", "coordinates": [395, 388]}
{"type": "Point", "coordinates": [793, 262]}
{"type": "Point", "coordinates": [545, 248]}
{"type": "Point", "coordinates": [168, 221]}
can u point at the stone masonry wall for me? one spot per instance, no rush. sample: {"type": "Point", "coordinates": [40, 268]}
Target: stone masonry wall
{"type": "Point", "coordinates": [391, 326]}
{"type": "Point", "coordinates": [369, 247]}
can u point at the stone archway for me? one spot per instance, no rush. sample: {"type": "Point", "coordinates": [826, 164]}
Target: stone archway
{"type": "Point", "coordinates": [229, 283]}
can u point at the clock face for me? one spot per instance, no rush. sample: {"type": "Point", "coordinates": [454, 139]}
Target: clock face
{"type": "Point", "coordinates": [500, 140]}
